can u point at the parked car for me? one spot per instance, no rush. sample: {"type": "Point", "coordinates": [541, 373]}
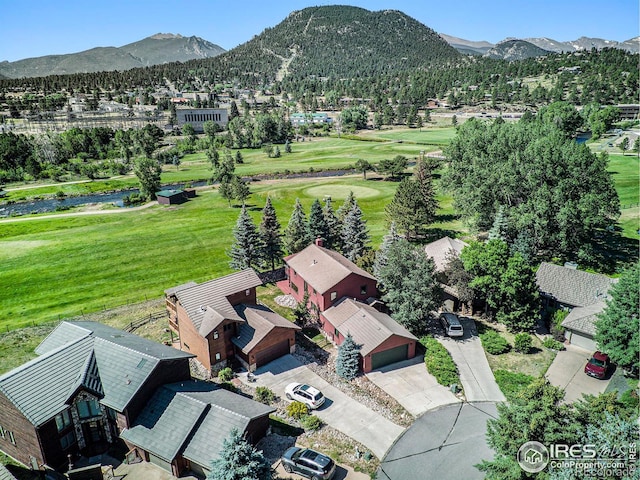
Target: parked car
{"type": "Point", "coordinates": [308, 463]}
{"type": "Point", "coordinates": [597, 365]}
{"type": "Point", "coordinates": [451, 324]}
{"type": "Point", "coordinates": [301, 392]}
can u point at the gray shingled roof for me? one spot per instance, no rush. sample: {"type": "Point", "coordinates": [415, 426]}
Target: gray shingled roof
{"type": "Point", "coordinates": [583, 319]}
{"type": "Point", "coordinates": [368, 327]}
{"type": "Point", "coordinates": [5, 474]}
{"type": "Point", "coordinates": [228, 411]}
{"type": "Point", "coordinates": [97, 357]}
{"type": "Point", "coordinates": [322, 268]}
{"type": "Point", "coordinates": [441, 249]}
{"type": "Point", "coordinates": [259, 322]}
{"type": "Point", "coordinates": [572, 287]}
{"type": "Point", "coordinates": [212, 296]}
{"type": "Point", "coordinates": [192, 416]}
{"type": "Point", "coordinates": [40, 387]}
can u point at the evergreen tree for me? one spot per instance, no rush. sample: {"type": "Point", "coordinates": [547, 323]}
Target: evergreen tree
{"type": "Point", "coordinates": [500, 226]}
{"type": "Point", "coordinates": [345, 207]}
{"type": "Point", "coordinates": [270, 235]}
{"type": "Point", "coordinates": [520, 299]}
{"type": "Point", "coordinates": [239, 158]}
{"type": "Point", "coordinates": [245, 251]}
{"type": "Point", "coordinates": [412, 289]}
{"type": "Point", "coordinates": [408, 209]}
{"type": "Point", "coordinates": [287, 146]}
{"type": "Point", "coordinates": [333, 240]}
{"type": "Point", "coordinates": [296, 234]}
{"type": "Point", "coordinates": [317, 225]}
{"type": "Point", "coordinates": [233, 113]}
{"type": "Point", "coordinates": [239, 460]}
{"type": "Point", "coordinates": [424, 176]}
{"type": "Point", "coordinates": [348, 359]}
{"type": "Point", "coordinates": [618, 327]}
{"type": "Point", "coordinates": [382, 254]}
{"type": "Point", "coordinates": [525, 245]}
{"type": "Point", "coordinates": [354, 235]}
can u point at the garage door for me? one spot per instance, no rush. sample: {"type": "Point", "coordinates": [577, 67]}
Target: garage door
{"type": "Point", "coordinates": [582, 341]}
{"type": "Point", "coordinates": [271, 353]}
{"type": "Point", "coordinates": [392, 355]}
{"type": "Point", "coordinates": [160, 462]}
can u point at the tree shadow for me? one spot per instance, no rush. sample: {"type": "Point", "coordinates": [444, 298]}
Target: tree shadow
{"type": "Point", "coordinates": [610, 251]}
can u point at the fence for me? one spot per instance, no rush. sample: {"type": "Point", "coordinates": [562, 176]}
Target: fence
{"type": "Point", "coordinates": [152, 317]}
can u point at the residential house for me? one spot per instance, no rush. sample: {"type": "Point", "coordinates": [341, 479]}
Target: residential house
{"type": "Point", "coordinates": [441, 251]}
{"type": "Point", "coordinates": [582, 293]}
{"type": "Point", "coordinates": [184, 425]}
{"type": "Point", "coordinates": [88, 383]}
{"type": "Point", "coordinates": [381, 338]}
{"type": "Point", "coordinates": [93, 385]}
{"type": "Point", "coordinates": [220, 320]}
{"type": "Point", "coordinates": [326, 276]}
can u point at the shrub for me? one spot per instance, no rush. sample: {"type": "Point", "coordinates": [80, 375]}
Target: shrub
{"type": "Point", "coordinates": [229, 386]}
{"type": "Point", "coordinates": [553, 344]}
{"type": "Point", "coordinates": [264, 395]}
{"type": "Point", "coordinates": [226, 374]}
{"type": "Point", "coordinates": [512, 383]}
{"type": "Point", "coordinates": [522, 342]}
{"type": "Point", "coordinates": [297, 410]}
{"type": "Point", "coordinates": [494, 343]}
{"type": "Point", "coordinates": [310, 422]}
{"type": "Point", "coordinates": [557, 330]}
{"type": "Point", "coordinates": [439, 362]}
{"type": "Point", "coordinates": [630, 400]}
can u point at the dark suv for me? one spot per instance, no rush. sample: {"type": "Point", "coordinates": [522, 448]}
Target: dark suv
{"type": "Point", "coordinates": [308, 463]}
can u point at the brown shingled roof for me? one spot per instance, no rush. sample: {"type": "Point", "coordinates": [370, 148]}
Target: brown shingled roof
{"type": "Point", "coordinates": [322, 268]}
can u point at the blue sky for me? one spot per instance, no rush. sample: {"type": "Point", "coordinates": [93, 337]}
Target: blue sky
{"type": "Point", "coordinates": [32, 28]}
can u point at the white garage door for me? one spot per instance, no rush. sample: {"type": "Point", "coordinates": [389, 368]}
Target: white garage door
{"type": "Point", "coordinates": [583, 341]}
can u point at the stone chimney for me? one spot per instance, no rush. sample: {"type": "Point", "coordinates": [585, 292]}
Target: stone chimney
{"type": "Point", "coordinates": [320, 242]}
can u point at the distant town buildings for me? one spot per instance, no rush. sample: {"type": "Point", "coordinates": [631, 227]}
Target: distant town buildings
{"type": "Point", "coordinates": [197, 116]}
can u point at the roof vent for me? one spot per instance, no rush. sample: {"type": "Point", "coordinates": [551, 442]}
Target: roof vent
{"type": "Point", "coordinates": [203, 308]}
{"type": "Point", "coordinates": [572, 265]}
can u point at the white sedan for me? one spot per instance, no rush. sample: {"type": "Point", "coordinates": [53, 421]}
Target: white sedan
{"type": "Point", "coordinates": [306, 394]}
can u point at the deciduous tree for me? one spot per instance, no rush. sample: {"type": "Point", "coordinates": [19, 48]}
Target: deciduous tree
{"type": "Point", "coordinates": [148, 171]}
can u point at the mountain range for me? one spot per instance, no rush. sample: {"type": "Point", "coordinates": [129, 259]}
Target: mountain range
{"type": "Point", "coordinates": [154, 50]}
{"type": "Point", "coordinates": [339, 41]}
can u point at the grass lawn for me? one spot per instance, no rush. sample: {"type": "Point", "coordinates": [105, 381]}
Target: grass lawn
{"type": "Point", "coordinates": [625, 170]}
{"type": "Point", "coordinates": [55, 268]}
{"type": "Point", "coordinates": [438, 136]}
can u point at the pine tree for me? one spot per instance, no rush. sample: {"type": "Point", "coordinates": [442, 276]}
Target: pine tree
{"type": "Point", "coordinates": [500, 226]}
{"type": "Point", "coordinates": [355, 235]}
{"type": "Point", "coordinates": [239, 460]}
{"type": "Point", "coordinates": [408, 209]}
{"type": "Point", "coordinates": [424, 177]}
{"type": "Point", "coordinates": [382, 253]}
{"type": "Point", "coordinates": [296, 234]}
{"type": "Point", "coordinates": [271, 237]}
{"type": "Point", "coordinates": [245, 251]}
{"type": "Point", "coordinates": [333, 240]}
{"type": "Point", "coordinates": [345, 207]}
{"type": "Point", "coordinates": [316, 225]}
{"type": "Point", "coordinates": [348, 359]}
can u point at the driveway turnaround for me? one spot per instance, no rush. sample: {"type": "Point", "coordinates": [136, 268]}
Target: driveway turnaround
{"type": "Point", "coordinates": [475, 374]}
{"type": "Point", "coordinates": [412, 386]}
{"type": "Point", "coordinates": [567, 372]}
{"type": "Point", "coordinates": [339, 410]}
{"type": "Point", "coordinates": [444, 444]}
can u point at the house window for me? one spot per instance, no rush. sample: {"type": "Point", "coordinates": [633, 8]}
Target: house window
{"type": "Point", "coordinates": [294, 287]}
{"type": "Point", "coordinates": [12, 439]}
{"type": "Point", "coordinates": [68, 440]}
{"type": "Point", "coordinates": [218, 356]}
{"type": "Point", "coordinates": [215, 333]}
{"type": "Point", "coordinates": [334, 295]}
{"type": "Point", "coordinates": [306, 287]}
{"type": "Point", "coordinates": [363, 290]}
{"type": "Point", "coordinates": [88, 409]}
{"type": "Point", "coordinates": [63, 420]}
{"type": "Point", "coordinates": [247, 292]}
{"type": "Point", "coordinates": [336, 333]}
{"type": "Point", "coordinates": [186, 346]}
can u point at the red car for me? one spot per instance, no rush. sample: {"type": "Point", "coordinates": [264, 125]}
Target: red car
{"type": "Point", "coordinates": [597, 365]}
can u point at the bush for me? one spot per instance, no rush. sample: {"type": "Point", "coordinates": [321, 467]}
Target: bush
{"type": "Point", "coordinates": [553, 344]}
{"type": "Point", "coordinates": [557, 330]}
{"type": "Point", "coordinates": [522, 342]}
{"type": "Point", "coordinates": [439, 363]}
{"type": "Point", "coordinates": [297, 410]}
{"type": "Point", "coordinates": [512, 383]}
{"type": "Point", "coordinates": [494, 343]}
{"type": "Point", "coordinates": [310, 422]}
{"type": "Point", "coordinates": [264, 395]}
{"type": "Point", "coordinates": [226, 374]}
{"type": "Point", "coordinates": [630, 400]}
{"type": "Point", "coordinates": [229, 386]}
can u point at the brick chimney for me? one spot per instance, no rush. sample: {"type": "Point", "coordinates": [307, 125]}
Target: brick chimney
{"type": "Point", "coordinates": [320, 242]}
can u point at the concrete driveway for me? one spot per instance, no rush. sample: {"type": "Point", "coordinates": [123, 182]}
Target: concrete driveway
{"type": "Point", "coordinates": [339, 410]}
{"type": "Point", "coordinates": [412, 386]}
{"type": "Point", "coordinates": [475, 374]}
{"type": "Point", "coordinates": [567, 372]}
{"type": "Point", "coordinates": [444, 444]}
